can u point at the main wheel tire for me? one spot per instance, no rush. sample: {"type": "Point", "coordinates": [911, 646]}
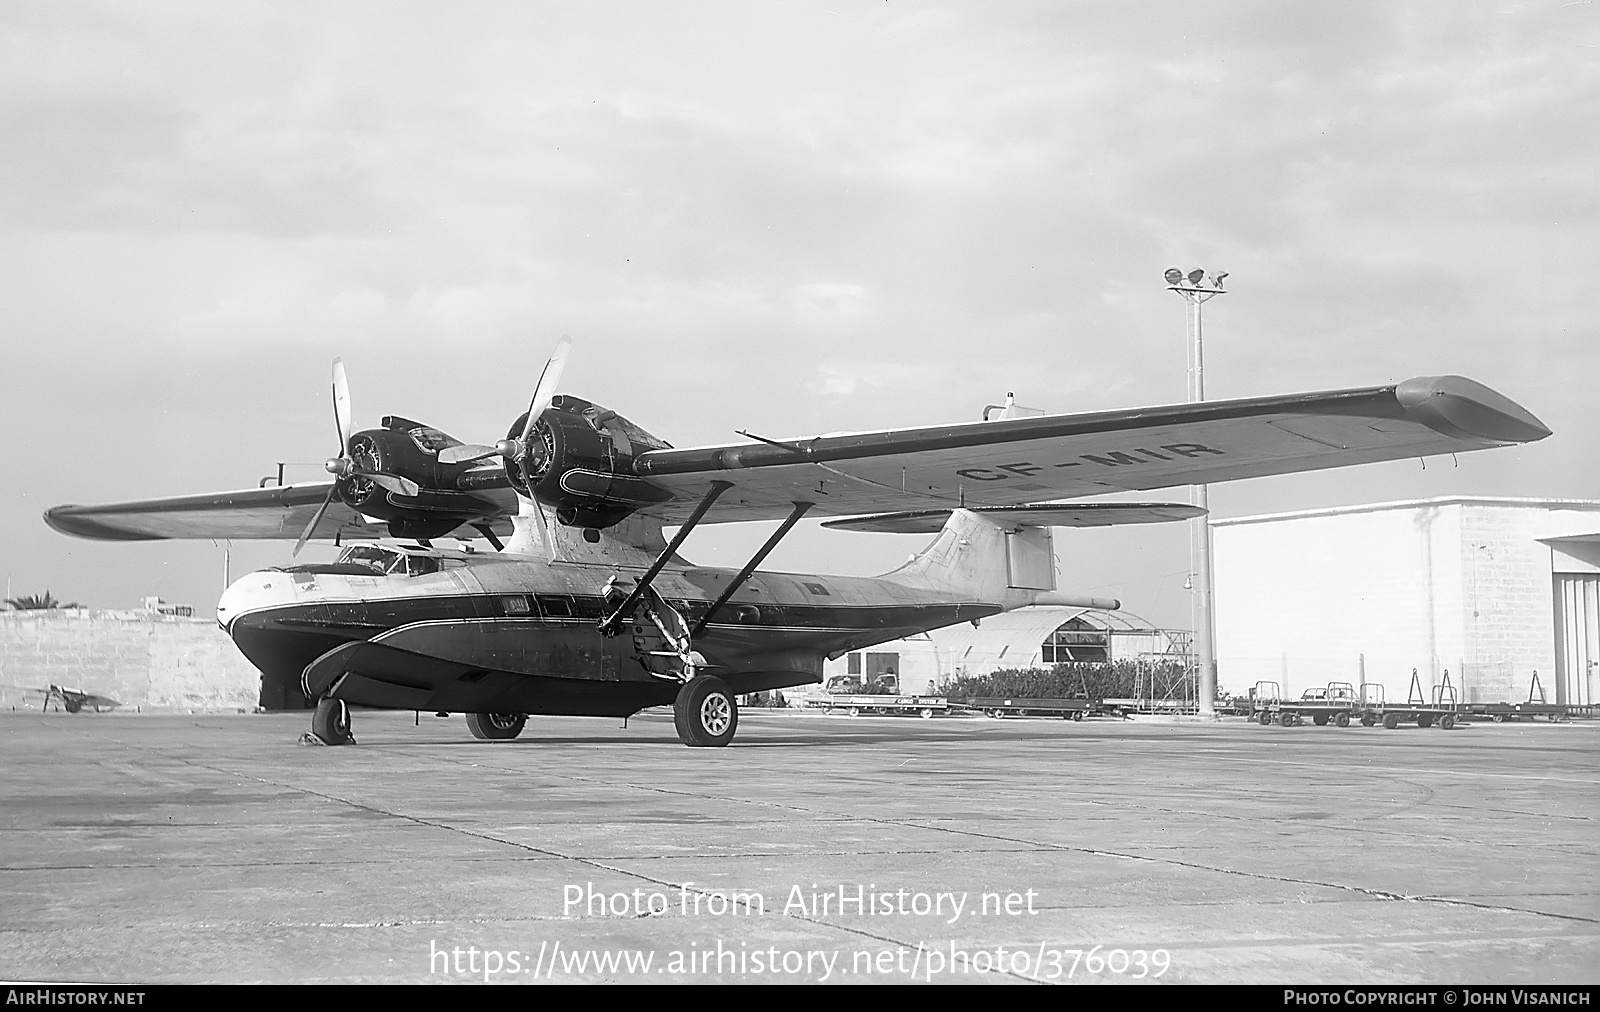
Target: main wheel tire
{"type": "Point", "coordinates": [330, 722]}
{"type": "Point", "coordinates": [1447, 722]}
{"type": "Point", "coordinates": [1341, 720]}
{"type": "Point", "coordinates": [496, 726]}
{"type": "Point", "coordinates": [1391, 721]}
{"type": "Point", "coordinates": [705, 712]}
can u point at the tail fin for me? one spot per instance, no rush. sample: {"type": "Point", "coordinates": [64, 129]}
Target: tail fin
{"type": "Point", "coordinates": [1007, 564]}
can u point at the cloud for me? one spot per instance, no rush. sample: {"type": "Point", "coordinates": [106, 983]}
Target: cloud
{"type": "Point", "coordinates": [792, 217]}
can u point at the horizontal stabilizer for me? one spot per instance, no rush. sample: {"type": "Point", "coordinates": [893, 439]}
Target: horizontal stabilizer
{"type": "Point", "coordinates": [1084, 514]}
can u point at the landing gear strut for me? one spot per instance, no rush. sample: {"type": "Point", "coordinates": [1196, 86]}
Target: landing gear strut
{"type": "Point", "coordinates": [330, 722]}
{"type": "Point", "coordinates": [705, 712]}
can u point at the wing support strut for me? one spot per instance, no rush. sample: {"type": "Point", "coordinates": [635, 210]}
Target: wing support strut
{"type": "Point", "coordinates": [488, 532]}
{"type": "Point", "coordinates": [750, 567]}
{"type": "Point", "coordinates": [609, 624]}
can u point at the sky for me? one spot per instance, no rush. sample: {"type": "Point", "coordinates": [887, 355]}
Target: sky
{"type": "Point", "coordinates": [788, 217]}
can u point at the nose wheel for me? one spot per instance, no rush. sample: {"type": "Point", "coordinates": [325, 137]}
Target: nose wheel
{"type": "Point", "coordinates": [705, 712]}
{"type": "Point", "coordinates": [330, 722]}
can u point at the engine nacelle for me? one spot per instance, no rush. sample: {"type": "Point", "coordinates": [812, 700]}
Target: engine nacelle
{"type": "Point", "coordinates": [401, 447]}
{"type": "Point", "coordinates": [581, 463]}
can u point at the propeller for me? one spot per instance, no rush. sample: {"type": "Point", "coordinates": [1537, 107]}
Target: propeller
{"type": "Point", "coordinates": [343, 466]}
{"type": "Point", "coordinates": [518, 449]}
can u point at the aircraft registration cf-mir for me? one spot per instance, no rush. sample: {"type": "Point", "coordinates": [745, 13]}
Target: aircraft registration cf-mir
{"type": "Point", "coordinates": [596, 613]}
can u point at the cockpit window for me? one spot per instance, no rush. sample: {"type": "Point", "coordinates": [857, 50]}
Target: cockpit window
{"type": "Point", "coordinates": [418, 565]}
{"type": "Point", "coordinates": [376, 559]}
{"type": "Point", "coordinates": [430, 440]}
{"type": "Point", "coordinates": [388, 562]}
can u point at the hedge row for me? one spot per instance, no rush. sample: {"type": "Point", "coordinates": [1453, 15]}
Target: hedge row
{"type": "Point", "coordinates": [1110, 680]}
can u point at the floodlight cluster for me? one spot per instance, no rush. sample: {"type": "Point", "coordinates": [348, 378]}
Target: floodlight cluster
{"type": "Point", "coordinates": [1194, 279]}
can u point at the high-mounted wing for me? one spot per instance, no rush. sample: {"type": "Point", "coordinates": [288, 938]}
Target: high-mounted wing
{"type": "Point", "coordinates": [273, 512]}
{"type": "Point", "coordinates": [1083, 514]}
{"type": "Point", "coordinates": [1030, 460]}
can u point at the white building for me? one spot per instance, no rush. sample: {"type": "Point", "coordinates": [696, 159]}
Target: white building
{"type": "Point", "coordinates": [1487, 590]}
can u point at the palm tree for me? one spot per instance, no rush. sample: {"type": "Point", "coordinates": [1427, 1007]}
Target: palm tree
{"type": "Point", "coordinates": [38, 602]}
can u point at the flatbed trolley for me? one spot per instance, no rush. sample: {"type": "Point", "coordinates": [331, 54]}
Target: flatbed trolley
{"type": "Point", "coordinates": [1066, 709]}
{"type": "Point", "coordinates": [906, 706]}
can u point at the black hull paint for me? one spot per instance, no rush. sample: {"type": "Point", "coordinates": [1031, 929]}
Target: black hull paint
{"type": "Point", "coordinates": [564, 665]}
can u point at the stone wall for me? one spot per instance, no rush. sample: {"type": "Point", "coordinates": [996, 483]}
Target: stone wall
{"type": "Point", "coordinates": [138, 658]}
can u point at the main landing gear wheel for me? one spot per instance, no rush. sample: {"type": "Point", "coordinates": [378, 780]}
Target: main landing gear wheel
{"type": "Point", "coordinates": [496, 726]}
{"type": "Point", "coordinates": [705, 712]}
{"type": "Point", "coordinates": [330, 722]}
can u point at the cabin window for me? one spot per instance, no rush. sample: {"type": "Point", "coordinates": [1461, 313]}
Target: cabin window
{"type": "Point", "coordinates": [587, 607]}
{"type": "Point", "coordinates": [514, 604]}
{"type": "Point", "coordinates": [555, 607]}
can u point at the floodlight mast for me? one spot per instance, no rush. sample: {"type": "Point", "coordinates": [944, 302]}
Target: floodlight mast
{"type": "Point", "coordinates": [1205, 630]}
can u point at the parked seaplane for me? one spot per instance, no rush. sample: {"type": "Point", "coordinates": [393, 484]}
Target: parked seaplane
{"type": "Point", "coordinates": [590, 610]}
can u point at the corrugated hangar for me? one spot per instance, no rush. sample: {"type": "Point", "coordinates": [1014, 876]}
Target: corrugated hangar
{"type": "Point", "coordinates": [1026, 638]}
{"type": "Point", "coordinates": [1488, 591]}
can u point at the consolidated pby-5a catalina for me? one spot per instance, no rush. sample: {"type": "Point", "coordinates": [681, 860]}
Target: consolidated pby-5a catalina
{"type": "Point", "coordinates": [592, 611]}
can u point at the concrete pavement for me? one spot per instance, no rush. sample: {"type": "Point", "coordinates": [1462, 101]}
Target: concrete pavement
{"type": "Point", "coordinates": [178, 847]}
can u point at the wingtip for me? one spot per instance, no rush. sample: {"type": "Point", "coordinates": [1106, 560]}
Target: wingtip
{"type": "Point", "coordinates": [1465, 408]}
{"type": "Point", "coordinates": [67, 520]}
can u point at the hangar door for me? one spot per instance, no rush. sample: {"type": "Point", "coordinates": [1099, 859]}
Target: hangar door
{"type": "Point", "coordinates": [1577, 637]}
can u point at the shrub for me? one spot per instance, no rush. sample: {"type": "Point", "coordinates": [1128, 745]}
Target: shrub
{"type": "Point", "coordinates": [1102, 680]}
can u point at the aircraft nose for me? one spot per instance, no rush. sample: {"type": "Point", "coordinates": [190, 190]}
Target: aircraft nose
{"type": "Point", "coordinates": [264, 589]}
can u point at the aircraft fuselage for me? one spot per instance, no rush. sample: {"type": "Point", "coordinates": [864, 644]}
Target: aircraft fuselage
{"type": "Point", "coordinates": [524, 633]}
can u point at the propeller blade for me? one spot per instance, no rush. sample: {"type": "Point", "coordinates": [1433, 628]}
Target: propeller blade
{"type": "Point", "coordinates": [466, 452]}
{"type": "Point", "coordinates": [316, 518]}
{"type": "Point", "coordinates": [392, 482]}
{"type": "Point", "coordinates": [341, 405]}
{"type": "Point", "coordinates": [546, 389]}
